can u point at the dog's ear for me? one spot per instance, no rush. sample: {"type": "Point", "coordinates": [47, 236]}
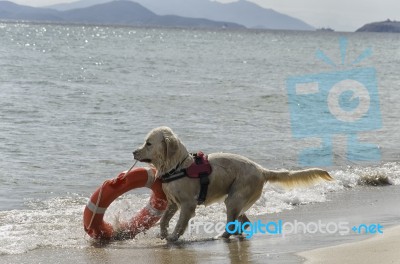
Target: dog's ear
{"type": "Point", "coordinates": [171, 144]}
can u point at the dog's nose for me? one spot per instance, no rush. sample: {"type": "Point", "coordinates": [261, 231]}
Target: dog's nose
{"type": "Point", "coordinates": [135, 152]}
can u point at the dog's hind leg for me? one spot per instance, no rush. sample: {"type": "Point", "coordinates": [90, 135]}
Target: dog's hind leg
{"type": "Point", "coordinates": [233, 209]}
{"type": "Point", "coordinates": [243, 218]}
{"type": "Point", "coordinates": [168, 214]}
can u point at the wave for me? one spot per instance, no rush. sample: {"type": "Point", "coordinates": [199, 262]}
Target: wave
{"type": "Point", "coordinates": [57, 222]}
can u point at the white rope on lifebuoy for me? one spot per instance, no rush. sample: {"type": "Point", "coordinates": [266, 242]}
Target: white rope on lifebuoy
{"type": "Point", "coordinates": [153, 211]}
{"type": "Point", "coordinates": [95, 207]}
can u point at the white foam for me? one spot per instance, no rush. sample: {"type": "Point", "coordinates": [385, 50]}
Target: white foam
{"type": "Point", "coordinates": [353, 176]}
{"type": "Point", "coordinates": [54, 226]}
{"type": "Point", "coordinates": [57, 222]}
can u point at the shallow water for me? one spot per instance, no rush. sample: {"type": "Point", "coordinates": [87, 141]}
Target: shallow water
{"type": "Point", "coordinates": [76, 100]}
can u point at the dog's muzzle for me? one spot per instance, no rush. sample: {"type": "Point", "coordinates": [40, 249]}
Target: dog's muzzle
{"type": "Point", "coordinates": [136, 156]}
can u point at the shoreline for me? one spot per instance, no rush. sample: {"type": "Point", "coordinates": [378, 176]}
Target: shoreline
{"type": "Point", "coordinates": [378, 249]}
{"type": "Point", "coordinates": [370, 205]}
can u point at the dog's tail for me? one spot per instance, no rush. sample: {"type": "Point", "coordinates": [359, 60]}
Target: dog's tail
{"type": "Point", "coordinates": [297, 178]}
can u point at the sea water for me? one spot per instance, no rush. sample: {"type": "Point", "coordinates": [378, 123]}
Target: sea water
{"type": "Point", "coordinates": [75, 101]}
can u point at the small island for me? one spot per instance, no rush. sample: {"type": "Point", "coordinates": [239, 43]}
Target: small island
{"type": "Point", "coordinates": [384, 26]}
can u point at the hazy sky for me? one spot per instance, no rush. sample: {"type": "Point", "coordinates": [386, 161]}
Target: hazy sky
{"type": "Point", "coordinates": [345, 15]}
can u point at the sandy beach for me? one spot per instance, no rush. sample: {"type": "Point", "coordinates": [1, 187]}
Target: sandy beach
{"type": "Point", "coordinates": [379, 249]}
{"type": "Point", "coordinates": [370, 205]}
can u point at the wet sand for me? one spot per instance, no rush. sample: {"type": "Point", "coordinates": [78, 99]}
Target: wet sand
{"type": "Point", "coordinates": [370, 205]}
{"type": "Point", "coordinates": [379, 249]}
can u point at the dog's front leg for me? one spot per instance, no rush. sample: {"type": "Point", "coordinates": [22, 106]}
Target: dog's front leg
{"type": "Point", "coordinates": [187, 212]}
{"type": "Point", "coordinates": [168, 214]}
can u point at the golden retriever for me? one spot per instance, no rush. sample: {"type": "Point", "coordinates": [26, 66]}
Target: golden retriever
{"type": "Point", "coordinates": [235, 179]}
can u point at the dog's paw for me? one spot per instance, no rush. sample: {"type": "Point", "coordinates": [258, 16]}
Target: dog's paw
{"type": "Point", "coordinates": [220, 236]}
{"type": "Point", "coordinates": [225, 235]}
{"type": "Point", "coordinates": [163, 234]}
{"type": "Point", "coordinates": [172, 238]}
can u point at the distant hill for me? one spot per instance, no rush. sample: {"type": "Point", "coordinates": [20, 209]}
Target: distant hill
{"type": "Point", "coordinates": [113, 13]}
{"type": "Point", "coordinates": [77, 4]}
{"type": "Point", "coordinates": [241, 12]}
{"type": "Point", "coordinates": [384, 26]}
{"type": "Point", "coordinates": [9, 10]}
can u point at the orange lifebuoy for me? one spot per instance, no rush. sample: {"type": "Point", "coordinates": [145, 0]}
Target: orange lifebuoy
{"type": "Point", "coordinates": [93, 214]}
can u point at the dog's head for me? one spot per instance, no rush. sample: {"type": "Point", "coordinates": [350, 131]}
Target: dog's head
{"type": "Point", "coordinates": [162, 148]}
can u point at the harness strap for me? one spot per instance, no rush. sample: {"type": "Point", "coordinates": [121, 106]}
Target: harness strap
{"type": "Point", "coordinates": [201, 171]}
{"type": "Point", "coordinates": [172, 177]}
{"type": "Point", "coordinates": [204, 182]}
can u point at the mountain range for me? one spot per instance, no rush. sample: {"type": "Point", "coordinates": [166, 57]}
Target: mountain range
{"type": "Point", "coordinates": [241, 12]}
{"type": "Point", "coordinates": [110, 13]}
{"type": "Point", "coordinates": [175, 13]}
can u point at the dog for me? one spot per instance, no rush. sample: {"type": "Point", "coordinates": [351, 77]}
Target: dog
{"type": "Point", "coordinates": [234, 179]}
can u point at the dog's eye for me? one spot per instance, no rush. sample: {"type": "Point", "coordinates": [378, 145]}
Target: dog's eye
{"type": "Point", "coordinates": [148, 143]}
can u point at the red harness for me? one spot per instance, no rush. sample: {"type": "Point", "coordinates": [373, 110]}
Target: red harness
{"type": "Point", "coordinates": [199, 169]}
